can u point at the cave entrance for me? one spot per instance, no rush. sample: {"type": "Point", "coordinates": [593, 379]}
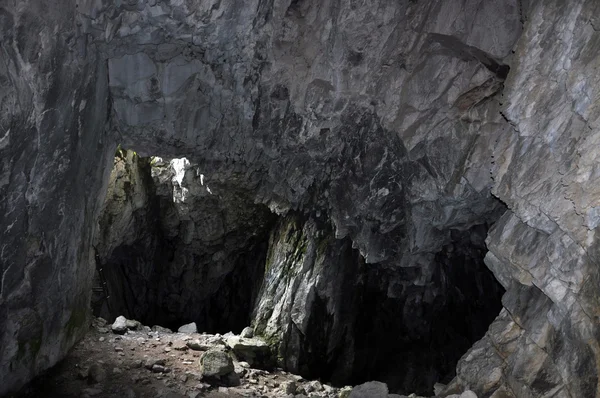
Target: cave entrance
{"type": "Point", "coordinates": [172, 249]}
{"type": "Point", "coordinates": [412, 331]}
{"type": "Point", "coordinates": [336, 318]}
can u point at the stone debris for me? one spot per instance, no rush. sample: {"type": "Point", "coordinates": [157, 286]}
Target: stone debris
{"type": "Point", "coordinates": [248, 332]}
{"type": "Point", "coordinates": [120, 325]}
{"type": "Point", "coordinates": [139, 367]}
{"type": "Point", "coordinates": [189, 328]}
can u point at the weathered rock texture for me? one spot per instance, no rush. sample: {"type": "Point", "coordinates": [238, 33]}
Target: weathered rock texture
{"type": "Point", "coordinates": [390, 120]}
{"type": "Point", "coordinates": [54, 158]}
{"type": "Point", "coordinates": [172, 249]}
{"type": "Point", "coordinates": [545, 250]}
{"type": "Point", "coordinates": [330, 315]}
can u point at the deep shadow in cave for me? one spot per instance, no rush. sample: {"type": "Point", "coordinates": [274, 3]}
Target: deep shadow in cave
{"type": "Point", "coordinates": [391, 324]}
{"type": "Point", "coordinates": [171, 252]}
{"type": "Point", "coordinates": [207, 264]}
{"type": "Point", "coordinates": [415, 338]}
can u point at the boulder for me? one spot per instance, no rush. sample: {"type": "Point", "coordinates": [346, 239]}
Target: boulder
{"type": "Point", "coordinates": [132, 324]}
{"type": "Point", "coordinates": [216, 363]}
{"type": "Point", "coordinates": [188, 328]}
{"type": "Point", "coordinates": [466, 394]}
{"type": "Point", "coordinates": [248, 332]}
{"type": "Point", "coordinates": [252, 350]}
{"type": "Point", "coordinates": [160, 329]}
{"type": "Point", "coordinates": [371, 389]}
{"type": "Point", "coordinates": [120, 325]}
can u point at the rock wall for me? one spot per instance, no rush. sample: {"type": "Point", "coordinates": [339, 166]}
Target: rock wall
{"type": "Point", "coordinates": [330, 315]}
{"type": "Point", "coordinates": [545, 251]}
{"type": "Point", "coordinates": [54, 159]}
{"type": "Point", "coordinates": [393, 120]}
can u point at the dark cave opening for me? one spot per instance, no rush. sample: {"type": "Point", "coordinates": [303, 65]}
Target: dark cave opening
{"type": "Point", "coordinates": [405, 326]}
{"type": "Point", "coordinates": [415, 338]}
{"type": "Point", "coordinates": [167, 263]}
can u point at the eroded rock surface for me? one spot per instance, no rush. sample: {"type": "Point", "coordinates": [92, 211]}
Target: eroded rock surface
{"type": "Point", "coordinates": [390, 121]}
{"type": "Point", "coordinates": [54, 159]}
{"type": "Point", "coordinates": [545, 250]}
{"type": "Point", "coordinates": [330, 315]}
{"type": "Point", "coordinates": [173, 249]}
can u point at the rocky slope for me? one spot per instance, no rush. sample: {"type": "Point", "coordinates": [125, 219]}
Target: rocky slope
{"type": "Point", "coordinates": [396, 122]}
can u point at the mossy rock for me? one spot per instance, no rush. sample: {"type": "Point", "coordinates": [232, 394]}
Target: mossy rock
{"type": "Point", "coordinates": [215, 363]}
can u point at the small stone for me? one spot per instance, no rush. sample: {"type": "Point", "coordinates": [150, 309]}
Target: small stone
{"type": "Point", "coordinates": [101, 339]}
{"type": "Point", "coordinates": [150, 362]}
{"type": "Point", "coordinates": [137, 364]}
{"type": "Point", "coordinates": [96, 374]}
{"type": "Point", "coordinates": [118, 349]}
{"type": "Point", "coordinates": [133, 324]}
{"type": "Point", "coordinates": [158, 369]}
{"type": "Point", "coordinates": [344, 392]}
{"type": "Point", "coordinates": [371, 389]}
{"type": "Point", "coordinates": [120, 325]}
{"type": "Point", "coordinates": [197, 345]}
{"type": "Point", "coordinates": [223, 390]}
{"type": "Point", "coordinates": [82, 374]}
{"type": "Point", "coordinates": [289, 387]}
{"type": "Point", "coordinates": [117, 371]}
{"type": "Point", "coordinates": [188, 328]}
{"type": "Point", "coordinates": [167, 349]}
{"type": "Point", "coordinates": [91, 392]}
{"type": "Point", "coordinates": [160, 329]}
{"type": "Point", "coordinates": [316, 386]}
{"type": "Point", "coordinates": [248, 332]}
{"type": "Point", "coordinates": [180, 345]}
{"type": "Point", "coordinates": [129, 393]}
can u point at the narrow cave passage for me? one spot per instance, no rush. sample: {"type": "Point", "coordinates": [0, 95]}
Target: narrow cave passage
{"type": "Point", "coordinates": [173, 250]}
{"type": "Point", "coordinates": [411, 334]}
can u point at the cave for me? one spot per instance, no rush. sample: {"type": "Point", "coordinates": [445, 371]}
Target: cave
{"type": "Point", "coordinates": [398, 196]}
{"type": "Point", "coordinates": [165, 229]}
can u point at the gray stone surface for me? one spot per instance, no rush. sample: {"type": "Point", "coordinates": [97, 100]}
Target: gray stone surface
{"type": "Point", "coordinates": [371, 389]}
{"type": "Point", "coordinates": [119, 326]}
{"type": "Point", "coordinates": [324, 310]}
{"type": "Point", "coordinates": [390, 121]}
{"type": "Point", "coordinates": [55, 156]}
{"type": "Point", "coordinates": [216, 363]}
{"type": "Point", "coordinates": [188, 328]}
{"type": "Point", "coordinates": [247, 332]}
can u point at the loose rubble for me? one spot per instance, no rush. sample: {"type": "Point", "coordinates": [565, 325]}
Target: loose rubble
{"type": "Point", "coordinates": [136, 361]}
